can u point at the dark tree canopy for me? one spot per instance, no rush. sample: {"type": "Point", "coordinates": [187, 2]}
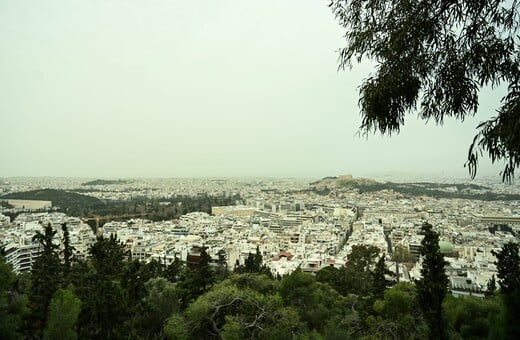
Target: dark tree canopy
{"type": "Point", "coordinates": [433, 286]}
{"type": "Point", "coordinates": [508, 265]}
{"type": "Point", "coordinates": [435, 57]}
{"type": "Point", "coordinates": [45, 277]}
{"type": "Point", "coordinates": [135, 301]}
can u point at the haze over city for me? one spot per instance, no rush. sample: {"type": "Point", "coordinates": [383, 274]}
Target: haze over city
{"type": "Point", "coordinates": [170, 88]}
{"type": "Point", "coordinates": [210, 170]}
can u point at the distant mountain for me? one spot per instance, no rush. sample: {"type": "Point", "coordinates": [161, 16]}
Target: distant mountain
{"type": "Point", "coordinates": [105, 182]}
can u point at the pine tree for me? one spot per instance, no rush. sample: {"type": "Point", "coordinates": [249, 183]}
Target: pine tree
{"type": "Point", "coordinates": [433, 286]}
{"type": "Point", "coordinates": [108, 255]}
{"type": "Point", "coordinates": [356, 276]}
{"type": "Point", "coordinates": [105, 300]}
{"type": "Point", "coordinates": [64, 310]}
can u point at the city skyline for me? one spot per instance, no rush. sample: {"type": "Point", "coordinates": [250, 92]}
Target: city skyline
{"type": "Point", "coordinates": [126, 89]}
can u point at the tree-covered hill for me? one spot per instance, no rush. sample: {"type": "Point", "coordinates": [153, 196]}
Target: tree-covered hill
{"type": "Point", "coordinates": [105, 182]}
{"type": "Point", "coordinates": [436, 190]}
{"type": "Point", "coordinates": [60, 198]}
{"type": "Point", "coordinates": [75, 204]}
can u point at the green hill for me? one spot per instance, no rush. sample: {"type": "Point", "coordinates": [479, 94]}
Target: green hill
{"type": "Point", "coordinates": [67, 201]}
{"type": "Point", "coordinates": [105, 182]}
{"type": "Point", "coordinates": [437, 190]}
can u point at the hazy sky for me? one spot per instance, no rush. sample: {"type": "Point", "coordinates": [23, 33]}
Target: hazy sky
{"type": "Point", "coordinates": [158, 88]}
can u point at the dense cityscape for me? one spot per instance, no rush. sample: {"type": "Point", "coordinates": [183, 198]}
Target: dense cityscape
{"type": "Point", "coordinates": [294, 227]}
{"type": "Point", "coordinates": [291, 225]}
{"type": "Point", "coordinates": [127, 126]}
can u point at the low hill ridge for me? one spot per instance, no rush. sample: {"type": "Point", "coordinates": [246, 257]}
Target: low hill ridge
{"type": "Point", "coordinates": [59, 198]}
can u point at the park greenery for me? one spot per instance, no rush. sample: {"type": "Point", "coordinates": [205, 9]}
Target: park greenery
{"type": "Point", "coordinates": [105, 182]}
{"type": "Point", "coordinates": [112, 296]}
{"type": "Point", "coordinates": [155, 209]}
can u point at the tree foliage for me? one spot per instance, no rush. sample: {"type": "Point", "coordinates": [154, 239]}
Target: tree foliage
{"type": "Point", "coordinates": [402, 254]}
{"type": "Point", "coordinates": [508, 265]}
{"type": "Point", "coordinates": [378, 278]}
{"type": "Point", "coordinates": [357, 276]}
{"type": "Point", "coordinates": [136, 300]}
{"type": "Point", "coordinates": [435, 56]}
{"type": "Point", "coordinates": [45, 277]}
{"type": "Point", "coordinates": [197, 280]}
{"type": "Point", "coordinates": [174, 328]}
{"type": "Point", "coordinates": [469, 317]}
{"type": "Point", "coordinates": [160, 302]}
{"type": "Point", "coordinates": [107, 255]}
{"type": "Point", "coordinates": [433, 286]}
{"type": "Point", "coordinates": [13, 304]}
{"type": "Point", "coordinates": [64, 310]}
{"type": "Point", "coordinates": [398, 315]}
{"type": "Point", "coordinates": [68, 250]}
{"type": "Point", "coordinates": [230, 312]}
{"type": "Point", "coordinates": [317, 303]}
{"type": "Point", "coordinates": [254, 264]}
{"type": "Point", "coordinates": [491, 287]}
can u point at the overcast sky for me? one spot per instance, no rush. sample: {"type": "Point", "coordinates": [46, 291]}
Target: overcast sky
{"type": "Point", "coordinates": [164, 88]}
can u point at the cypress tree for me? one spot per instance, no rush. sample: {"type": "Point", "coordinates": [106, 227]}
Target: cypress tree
{"type": "Point", "coordinates": [204, 275]}
{"type": "Point", "coordinates": [67, 250]}
{"type": "Point", "coordinates": [491, 287]}
{"type": "Point", "coordinates": [249, 264]}
{"type": "Point", "coordinates": [433, 286]}
{"type": "Point", "coordinates": [378, 277]}
{"type": "Point", "coordinates": [45, 277]}
{"type": "Point", "coordinates": [508, 266]}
